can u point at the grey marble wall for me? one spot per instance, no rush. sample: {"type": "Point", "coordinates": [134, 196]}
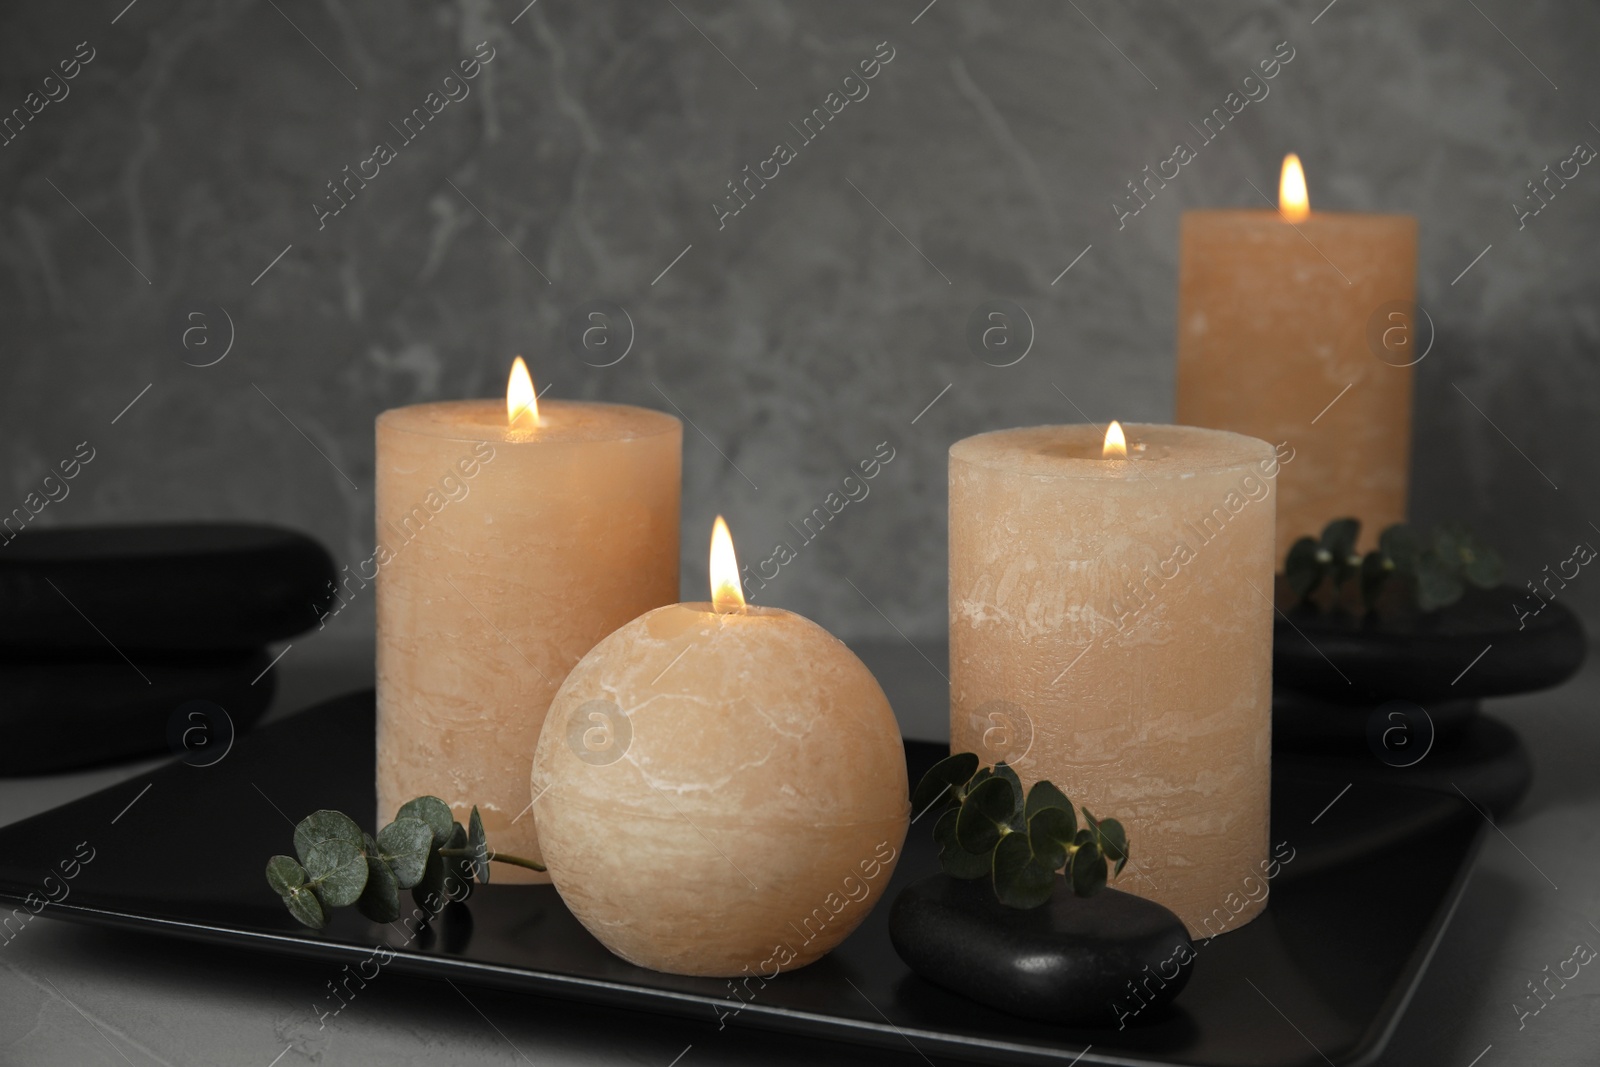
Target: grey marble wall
{"type": "Point", "coordinates": [184, 170]}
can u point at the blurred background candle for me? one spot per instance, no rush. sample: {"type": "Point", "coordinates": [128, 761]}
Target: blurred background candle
{"type": "Point", "coordinates": [1111, 630]}
{"type": "Point", "coordinates": [511, 538]}
{"type": "Point", "coordinates": [1296, 326]}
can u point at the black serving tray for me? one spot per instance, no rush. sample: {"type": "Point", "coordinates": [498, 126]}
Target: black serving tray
{"type": "Point", "coordinates": [1320, 978]}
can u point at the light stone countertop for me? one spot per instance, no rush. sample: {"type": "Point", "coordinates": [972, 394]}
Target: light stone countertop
{"type": "Point", "coordinates": [84, 997]}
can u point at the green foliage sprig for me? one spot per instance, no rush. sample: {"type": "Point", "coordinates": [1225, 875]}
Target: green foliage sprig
{"type": "Point", "coordinates": [424, 850]}
{"type": "Point", "coordinates": [1019, 839]}
{"type": "Point", "coordinates": [1434, 573]}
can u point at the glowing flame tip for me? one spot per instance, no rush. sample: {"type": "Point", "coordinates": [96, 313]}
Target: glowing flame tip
{"type": "Point", "coordinates": [1116, 443]}
{"type": "Point", "coordinates": [1292, 198]}
{"type": "Point", "coordinates": [726, 593]}
{"type": "Point", "coordinates": [521, 401]}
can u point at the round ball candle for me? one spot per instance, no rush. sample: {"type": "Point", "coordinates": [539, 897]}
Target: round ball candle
{"type": "Point", "coordinates": [1111, 631]}
{"type": "Point", "coordinates": [1296, 327]}
{"type": "Point", "coordinates": [721, 787]}
{"type": "Point", "coordinates": [511, 538]}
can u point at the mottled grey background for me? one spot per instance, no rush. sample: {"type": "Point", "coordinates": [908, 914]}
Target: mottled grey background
{"type": "Point", "coordinates": [810, 329]}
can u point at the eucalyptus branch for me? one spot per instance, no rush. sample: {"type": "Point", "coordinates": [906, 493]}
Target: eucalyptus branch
{"type": "Point", "coordinates": [494, 857]}
{"type": "Point", "coordinates": [1018, 838]}
{"type": "Point", "coordinates": [424, 850]}
{"type": "Point", "coordinates": [1432, 573]}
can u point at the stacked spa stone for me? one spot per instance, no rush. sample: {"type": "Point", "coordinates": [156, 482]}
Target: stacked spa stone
{"type": "Point", "coordinates": [1397, 700]}
{"type": "Point", "coordinates": [111, 637]}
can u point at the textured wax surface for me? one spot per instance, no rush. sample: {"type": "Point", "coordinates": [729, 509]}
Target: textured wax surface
{"type": "Point", "coordinates": [745, 802]}
{"type": "Point", "coordinates": [1145, 694]}
{"type": "Point", "coordinates": [1273, 341]}
{"type": "Point", "coordinates": [508, 561]}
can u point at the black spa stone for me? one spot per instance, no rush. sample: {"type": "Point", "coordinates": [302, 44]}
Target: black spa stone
{"type": "Point", "coordinates": [1107, 960]}
{"type": "Point", "coordinates": [1483, 760]}
{"type": "Point", "coordinates": [171, 587]}
{"type": "Point", "coordinates": [57, 716]}
{"type": "Point", "coordinates": [1306, 723]}
{"type": "Point", "coordinates": [1427, 657]}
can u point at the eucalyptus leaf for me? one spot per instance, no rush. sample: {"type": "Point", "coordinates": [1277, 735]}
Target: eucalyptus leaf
{"type": "Point", "coordinates": [983, 775]}
{"type": "Point", "coordinates": [1020, 882]}
{"type": "Point", "coordinates": [284, 875]}
{"type": "Point", "coordinates": [338, 872]}
{"type": "Point", "coordinates": [405, 844]}
{"type": "Point", "coordinates": [431, 885]}
{"type": "Point", "coordinates": [957, 861]}
{"type": "Point", "coordinates": [325, 826]}
{"type": "Point", "coordinates": [1050, 832]}
{"type": "Point", "coordinates": [1303, 568]}
{"type": "Point", "coordinates": [1018, 819]}
{"type": "Point", "coordinates": [1045, 795]}
{"type": "Point", "coordinates": [304, 906]}
{"type": "Point", "coordinates": [457, 869]}
{"type": "Point", "coordinates": [442, 879]}
{"type": "Point", "coordinates": [1482, 565]}
{"type": "Point", "coordinates": [1448, 542]}
{"type": "Point", "coordinates": [1087, 868]}
{"type": "Point", "coordinates": [1437, 585]}
{"type": "Point", "coordinates": [479, 846]}
{"type": "Point", "coordinates": [433, 811]}
{"type": "Point", "coordinates": [1376, 570]}
{"type": "Point", "coordinates": [1339, 539]}
{"type": "Point", "coordinates": [1112, 840]}
{"type": "Point", "coordinates": [1399, 543]}
{"type": "Point", "coordinates": [986, 814]}
{"type": "Point", "coordinates": [939, 787]}
{"type": "Point", "coordinates": [380, 898]}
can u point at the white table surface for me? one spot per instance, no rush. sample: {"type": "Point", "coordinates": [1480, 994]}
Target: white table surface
{"type": "Point", "coordinates": [78, 996]}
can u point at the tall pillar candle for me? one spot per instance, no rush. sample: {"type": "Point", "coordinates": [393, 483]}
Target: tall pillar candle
{"type": "Point", "coordinates": [1111, 631]}
{"type": "Point", "coordinates": [1298, 328]}
{"type": "Point", "coordinates": [505, 553]}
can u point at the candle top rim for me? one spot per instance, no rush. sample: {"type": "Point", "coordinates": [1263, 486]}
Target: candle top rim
{"type": "Point", "coordinates": [705, 607]}
{"type": "Point", "coordinates": [670, 620]}
{"type": "Point", "coordinates": [1258, 214]}
{"type": "Point", "coordinates": [1074, 451]}
{"type": "Point", "coordinates": [560, 421]}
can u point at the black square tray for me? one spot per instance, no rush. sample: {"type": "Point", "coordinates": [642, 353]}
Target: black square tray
{"type": "Point", "coordinates": [1320, 978]}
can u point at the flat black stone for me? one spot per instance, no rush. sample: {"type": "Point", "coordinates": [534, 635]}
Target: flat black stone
{"type": "Point", "coordinates": [1422, 658]}
{"type": "Point", "coordinates": [182, 586]}
{"type": "Point", "coordinates": [1484, 761]}
{"type": "Point", "coordinates": [57, 716]}
{"type": "Point", "coordinates": [1069, 961]}
{"type": "Point", "coordinates": [1305, 723]}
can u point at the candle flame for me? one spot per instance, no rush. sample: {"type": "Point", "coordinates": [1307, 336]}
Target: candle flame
{"type": "Point", "coordinates": [1292, 198]}
{"type": "Point", "coordinates": [726, 594]}
{"type": "Point", "coordinates": [1116, 445]}
{"type": "Point", "coordinates": [521, 400]}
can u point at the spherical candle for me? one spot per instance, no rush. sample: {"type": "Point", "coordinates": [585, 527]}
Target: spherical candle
{"type": "Point", "coordinates": [510, 540]}
{"type": "Point", "coordinates": [1111, 631]}
{"type": "Point", "coordinates": [720, 790]}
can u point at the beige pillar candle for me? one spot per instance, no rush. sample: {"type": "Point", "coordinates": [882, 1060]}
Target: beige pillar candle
{"type": "Point", "coordinates": [1281, 317]}
{"type": "Point", "coordinates": [722, 788]}
{"type": "Point", "coordinates": [506, 549]}
{"type": "Point", "coordinates": [1111, 631]}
